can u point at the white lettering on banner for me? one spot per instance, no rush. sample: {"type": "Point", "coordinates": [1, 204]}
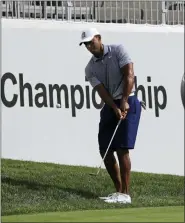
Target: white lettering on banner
{"type": "Point", "coordinates": [46, 67]}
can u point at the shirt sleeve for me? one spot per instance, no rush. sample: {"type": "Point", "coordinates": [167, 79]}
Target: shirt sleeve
{"type": "Point", "coordinates": [123, 56]}
{"type": "Point", "coordinates": [91, 78]}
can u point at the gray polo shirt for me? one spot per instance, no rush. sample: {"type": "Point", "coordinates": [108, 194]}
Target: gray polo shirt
{"type": "Point", "coordinates": [106, 70]}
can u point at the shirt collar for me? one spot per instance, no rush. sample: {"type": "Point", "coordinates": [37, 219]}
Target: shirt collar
{"type": "Point", "coordinates": [105, 51]}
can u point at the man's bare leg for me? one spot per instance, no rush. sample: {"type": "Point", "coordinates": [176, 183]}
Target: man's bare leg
{"type": "Point", "coordinates": [125, 168]}
{"type": "Point", "coordinates": [113, 169]}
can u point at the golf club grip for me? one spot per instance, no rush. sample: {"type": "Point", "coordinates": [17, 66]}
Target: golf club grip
{"type": "Point", "coordinates": [111, 141]}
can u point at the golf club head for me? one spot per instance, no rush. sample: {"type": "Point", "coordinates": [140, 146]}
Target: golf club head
{"type": "Point", "coordinates": [93, 174]}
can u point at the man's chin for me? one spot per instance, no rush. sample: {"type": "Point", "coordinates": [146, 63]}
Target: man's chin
{"type": "Point", "coordinates": [96, 53]}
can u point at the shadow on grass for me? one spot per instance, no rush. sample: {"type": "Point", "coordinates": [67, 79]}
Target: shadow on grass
{"type": "Point", "coordinates": [37, 186]}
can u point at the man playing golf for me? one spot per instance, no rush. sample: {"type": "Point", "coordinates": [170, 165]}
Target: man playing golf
{"type": "Point", "coordinates": [110, 71]}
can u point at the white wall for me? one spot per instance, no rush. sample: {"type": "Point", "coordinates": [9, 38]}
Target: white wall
{"type": "Point", "coordinates": [47, 52]}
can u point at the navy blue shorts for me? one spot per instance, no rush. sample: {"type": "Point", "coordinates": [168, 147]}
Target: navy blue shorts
{"type": "Point", "coordinates": [125, 136]}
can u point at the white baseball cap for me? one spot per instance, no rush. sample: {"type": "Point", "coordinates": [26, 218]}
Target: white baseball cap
{"type": "Point", "coordinates": [88, 34]}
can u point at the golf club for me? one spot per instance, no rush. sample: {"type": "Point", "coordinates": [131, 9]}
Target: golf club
{"type": "Point", "coordinates": [95, 174]}
{"type": "Point", "coordinates": [143, 105]}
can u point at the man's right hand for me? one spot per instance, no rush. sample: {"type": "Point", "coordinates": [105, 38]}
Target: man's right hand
{"type": "Point", "coordinates": [119, 113]}
{"type": "Point", "coordinates": [105, 96]}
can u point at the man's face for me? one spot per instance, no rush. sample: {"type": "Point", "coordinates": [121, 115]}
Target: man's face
{"type": "Point", "coordinates": [94, 46]}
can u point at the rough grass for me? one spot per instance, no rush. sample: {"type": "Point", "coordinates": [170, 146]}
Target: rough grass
{"type": "Point", "coordinates": [31, 187]}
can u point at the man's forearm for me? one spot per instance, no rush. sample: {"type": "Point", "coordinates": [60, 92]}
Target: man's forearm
{"type": "Point", "coordinates": [127, 87]}
{"type": "Point", "coordinates": [105, 96]}
{"type": "Point", "coordinates": [128, 80]}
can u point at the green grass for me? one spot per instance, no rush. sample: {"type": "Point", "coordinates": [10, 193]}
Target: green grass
{"type": "Point", "coordinates": [160, 214]}
{"type": "Point", "coordinates": [30, 187]}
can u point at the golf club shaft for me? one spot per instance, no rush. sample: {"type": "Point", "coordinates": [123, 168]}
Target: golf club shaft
{"type": "Point", "coordinates": [109, 145]}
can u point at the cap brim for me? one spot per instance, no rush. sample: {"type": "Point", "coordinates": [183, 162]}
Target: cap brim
{"type": "Point", "coordinates": [86, 40]}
